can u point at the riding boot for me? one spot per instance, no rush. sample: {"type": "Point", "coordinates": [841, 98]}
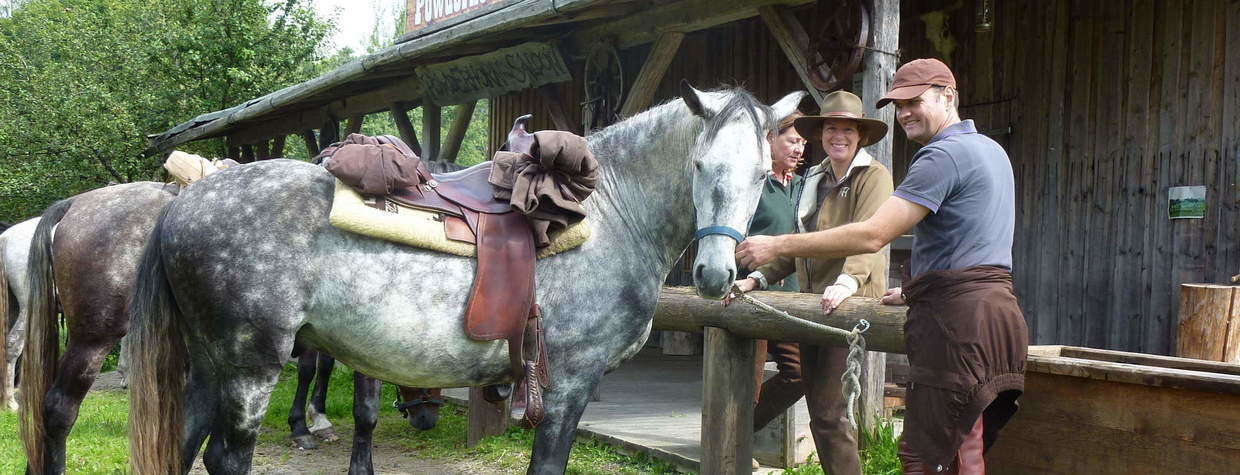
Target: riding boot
{"type": "Point", "coordinates": [969, 458]}
{"type": "Point", "coordinates": [910, 462]}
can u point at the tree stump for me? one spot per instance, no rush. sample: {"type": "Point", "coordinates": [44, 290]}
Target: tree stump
{"type": "Point", "coordinates": [1209, 327]}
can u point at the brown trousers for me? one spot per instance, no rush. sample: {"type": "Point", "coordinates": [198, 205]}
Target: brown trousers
{"type": "Point", "coordinates": [813, 371]}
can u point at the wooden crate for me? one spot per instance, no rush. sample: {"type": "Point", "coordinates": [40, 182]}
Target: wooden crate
{"type": "Point", "coordinates": [1103, 412]}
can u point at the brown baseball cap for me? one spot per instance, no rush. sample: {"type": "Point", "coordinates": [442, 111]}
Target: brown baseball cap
{"type": "Point", "coordinates": [915, 77]}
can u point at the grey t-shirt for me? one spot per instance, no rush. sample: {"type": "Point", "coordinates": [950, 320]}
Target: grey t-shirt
{"type": "Point", "coordinates": [965, 179]}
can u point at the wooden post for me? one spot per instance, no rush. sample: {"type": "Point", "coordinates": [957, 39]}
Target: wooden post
{"type": "Point", "coordinates": [1209, 327]}
{"type": "Point", "coordinates": [431, 121]}
{"type": "Point", "coordinates": [727, 403]}
{"type": "Point", "coordinates": [880, 66]}
{"type": "Point", "coordinates": [400, 115]}
{"type": "Point", "coordinates": [792, 38]}
{"type": "Point", "coordinates": [485, 418]}
{"type": "Point", "coordinates": [647, 82]}
{"type": "Point", "coordinates": [555, 107]}
{"type": "Point", "coordinates": [247, 153]}
{"type": "Point", "coordinates": [461, 117]}
{"type": "Point", "coordinates": [680, 343]}
{"type": "Point", "coordinates": [277, 146]}
{"type": "Point", "coordinates": [312, 142]}
{"type": "Point", "coordinates": [329, 133]}
{"type": "Point", "coordinates": [262, 150]}
{"type": "Point", "coordinates": [354, 125]}
{"type": "Point", "coordinates": [234, 152]}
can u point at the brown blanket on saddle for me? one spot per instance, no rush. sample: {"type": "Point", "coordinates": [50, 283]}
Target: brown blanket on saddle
{"type": "Point", "coordinates": [549, 183]}
{"type": "Point", "coordinates": [373, 165]}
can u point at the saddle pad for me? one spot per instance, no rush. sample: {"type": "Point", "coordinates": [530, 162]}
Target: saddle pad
{"type": "Point", "coordinates": [424, 229]}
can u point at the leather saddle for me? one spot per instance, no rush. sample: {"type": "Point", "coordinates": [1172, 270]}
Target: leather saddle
{"type": "Point", "coordinates": [501, 301]}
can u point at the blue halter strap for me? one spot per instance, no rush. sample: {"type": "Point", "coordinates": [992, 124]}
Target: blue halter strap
{"type": "Point", "coordinates": [724, 230]}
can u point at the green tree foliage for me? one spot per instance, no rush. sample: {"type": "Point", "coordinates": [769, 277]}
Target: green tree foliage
{"type": "Point", "coordinates": [85, 80]}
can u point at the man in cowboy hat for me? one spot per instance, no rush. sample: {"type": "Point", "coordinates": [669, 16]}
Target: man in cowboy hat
{"type": "Point", "coordinates": [965, 335]}
{"type": "Point", "coordinates": [848, 186]}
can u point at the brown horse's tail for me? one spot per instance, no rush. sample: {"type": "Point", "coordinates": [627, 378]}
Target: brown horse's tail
{"type": "Point", "coordinates": [6, 296]}
{"type": "Point", "coordinates": [41, 356]}
{"type": "Point", "coordinates": [157, 366]}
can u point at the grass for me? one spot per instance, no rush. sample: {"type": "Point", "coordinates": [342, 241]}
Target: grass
{"type": "Point", "coordinates": [878, 457]}
{"type": "Point", "coordinates": [99, 441]}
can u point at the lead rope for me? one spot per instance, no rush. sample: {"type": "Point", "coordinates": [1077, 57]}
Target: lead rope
{"type": "Point", "coordinates": [856, 350]}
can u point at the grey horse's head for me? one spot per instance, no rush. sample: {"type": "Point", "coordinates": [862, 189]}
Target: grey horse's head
{"type": "Point", "coordinates": [730, 160]}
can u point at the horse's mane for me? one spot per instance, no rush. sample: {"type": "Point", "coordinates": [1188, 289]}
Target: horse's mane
{"type": "Point", "coordinates": [655, 117]}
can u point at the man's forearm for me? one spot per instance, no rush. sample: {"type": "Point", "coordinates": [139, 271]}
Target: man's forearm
{"type": "Point", "coordinates": [841, 241]}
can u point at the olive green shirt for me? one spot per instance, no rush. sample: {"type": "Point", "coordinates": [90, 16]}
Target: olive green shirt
{"type": "Point", "coordinates": [777, 215]}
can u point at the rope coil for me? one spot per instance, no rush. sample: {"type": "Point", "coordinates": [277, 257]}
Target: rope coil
{"type": "Point", "coordinates": [856, 349]}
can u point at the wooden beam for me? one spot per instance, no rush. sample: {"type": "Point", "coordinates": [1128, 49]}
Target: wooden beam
{"type": "Point", "coordinates": [555, 107]}
{"type": "Point", "coordinates": [647, 82]}
{"type": "Point", "coordinates": [485, 418]}
{"type": "Point", "coordinates": [312, 142]}
{"type": "Point", "coordinates": [461, 118]}
{"type": "Point", "coordinates": [879, 67]}
{"type": "Point", "coordinates": [400, 115]}
{"type": "Point", "coordinates": [432, 120]}
{"type": "Point", "coordinates": [680, 309]}
{"type": "Point", "coordinates": [792, 38]}
{"type": "Point", "coordinates": [727, 402]}
{"type": "Point", "coordinates": [277, 146]}
{"type": "Point", "coordinates": [354, 125]}
{"type": "Point", "coordinates": [329, 133]}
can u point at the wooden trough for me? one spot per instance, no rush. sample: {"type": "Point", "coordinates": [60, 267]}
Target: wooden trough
{"type": "Point", "coordinates": [1102, 412]}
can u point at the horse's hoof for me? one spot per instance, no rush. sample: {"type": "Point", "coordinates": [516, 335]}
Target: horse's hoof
{"type": "Point", "coordinates": [327, 435]}
{"type": "Point", "coordinates": [304, 442]}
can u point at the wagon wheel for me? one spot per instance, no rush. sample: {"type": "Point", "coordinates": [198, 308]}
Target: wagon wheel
{"type": "Point", "coordinates": [604, 86]}
{"type": "Point", "coordinates": [840, 44]}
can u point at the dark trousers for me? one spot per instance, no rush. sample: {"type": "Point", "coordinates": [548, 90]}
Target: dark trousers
{"type": "Point", "coordinates": [814, 372]}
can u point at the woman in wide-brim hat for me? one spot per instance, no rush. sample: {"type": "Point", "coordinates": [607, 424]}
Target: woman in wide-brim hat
{"type": "Point", "coordinates": [848, 186]}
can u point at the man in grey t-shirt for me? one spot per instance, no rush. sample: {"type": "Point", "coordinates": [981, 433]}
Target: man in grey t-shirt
{"type": "Point", "coordinates": [965, 335]}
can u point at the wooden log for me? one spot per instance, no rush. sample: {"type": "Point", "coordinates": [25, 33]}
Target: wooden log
{"type": "Point", "coordinates": [680, 309]}
{"type": "Point", "coordinates": [400, 115]}
{"type": "Point", "coordinates": [354, 125]}
{"type": "Point", "coordinates": [432, 118]}
{"type": "Point", "coordinates": [641, 94]}
{"type": "Point", "coordinates": [262, 150]}
{"type": "Point", "coordinates": [461, 118]}
{"type": "Point", "coordinates": [555, 108]}
{"type": "Point", "coordinates": [1209, 327]}
{"type": "Point", "coordinates": [792, 38]}
{"type": "Point", "coordinates": [681, 343]}
{"type": "Point", "coordinates": [727, 403]}
{"type": "Point", "coordinates": [329, 133]}
{"type": "Point", "coordinates": [247, 153]}
{"type": "Point", "coordinates": [312, 142]}
{"type": "Point", "coordinates": [485, 418]}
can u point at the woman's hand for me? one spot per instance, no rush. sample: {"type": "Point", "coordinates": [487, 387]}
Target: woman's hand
{"type": "Point", "coordinates": [894, 296]}
{"type": "Point", "coordinates": [833, 296]}
{"type": "Point", "coordinates": [744, 285]}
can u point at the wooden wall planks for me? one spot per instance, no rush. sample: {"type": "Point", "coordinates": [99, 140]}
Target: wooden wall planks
{"type": "Point", "coordinates": [1109, 104]}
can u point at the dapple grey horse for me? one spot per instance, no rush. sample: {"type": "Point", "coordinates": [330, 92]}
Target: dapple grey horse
{"type": "Point", "coordinates": [14, 250]}
{"type": "Point", "coordinates": [86, 273]}
{"type": "Point", "coordinates": [246, 266]}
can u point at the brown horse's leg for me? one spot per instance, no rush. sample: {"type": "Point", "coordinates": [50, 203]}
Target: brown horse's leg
{"type": "Point", "coordinates": [297, 415]}
{"type": "Point", "coordinates": [319, 424]}
{"type": "Point", "coordinates": [365, 417]}
{"type": "Point", "coordinates": [78, 369]}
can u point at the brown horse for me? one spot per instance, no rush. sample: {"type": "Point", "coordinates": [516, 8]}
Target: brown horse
{"type": "Point", "coordinates": [91, 265]}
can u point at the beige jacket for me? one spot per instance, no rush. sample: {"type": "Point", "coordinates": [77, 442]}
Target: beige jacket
{"type": "Point", "coordinates": [823, 205]}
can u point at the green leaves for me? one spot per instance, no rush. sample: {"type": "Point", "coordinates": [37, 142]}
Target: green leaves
{"type": "Point", "coordinates": [85, 80]}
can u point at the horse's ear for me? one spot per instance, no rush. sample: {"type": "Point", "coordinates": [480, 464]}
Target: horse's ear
{"type": "Point", "coordinates": [690, 95]}
{"type": "Point", "coordinates": [787, 105]}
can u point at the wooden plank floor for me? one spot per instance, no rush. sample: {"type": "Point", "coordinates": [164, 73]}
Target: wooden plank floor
{"type": "Point", "coordinates": [653, 404]}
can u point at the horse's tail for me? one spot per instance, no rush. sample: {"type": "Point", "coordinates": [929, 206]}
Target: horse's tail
{"type": "Point", "coordinates": [157, 366]}
{"type": "Point", "coordinates": [6, 304]}
{"type": "Point", "coordinates": [41, 357]}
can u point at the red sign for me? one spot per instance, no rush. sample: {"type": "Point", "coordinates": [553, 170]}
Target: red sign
{"type": "Point", "coordinates": [422, 14]}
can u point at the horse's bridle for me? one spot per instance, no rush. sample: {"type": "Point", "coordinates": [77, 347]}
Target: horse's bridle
{"type": "Point", "coordinates": [423, 397]}
{"type": "Point", "coordinates": [718, 229]}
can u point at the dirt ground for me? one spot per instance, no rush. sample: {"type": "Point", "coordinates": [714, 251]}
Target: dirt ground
{"type": "Point", "coordinates": [329, 458]}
